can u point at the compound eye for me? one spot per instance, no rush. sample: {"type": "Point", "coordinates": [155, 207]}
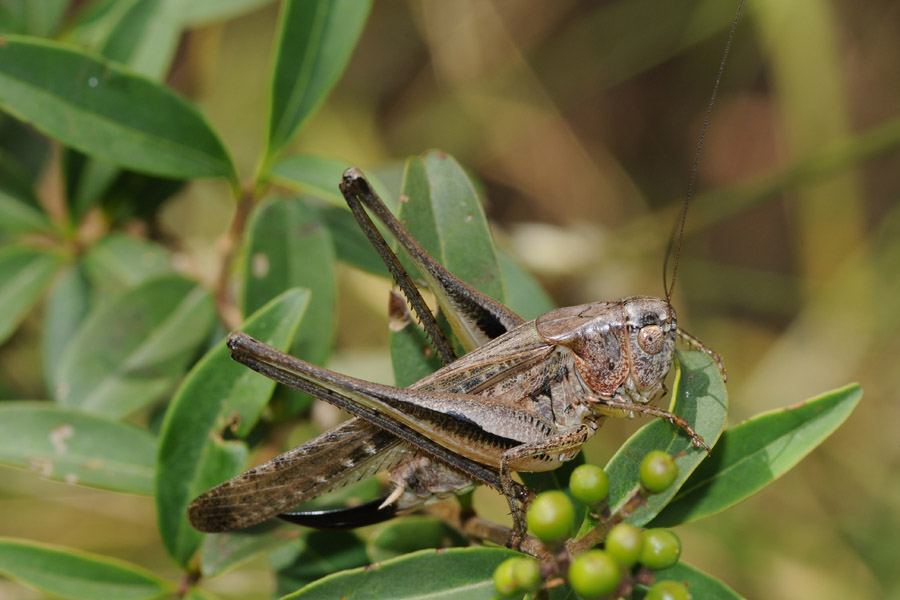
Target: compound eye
{"type": "Point", "coordinates": [651, 339]}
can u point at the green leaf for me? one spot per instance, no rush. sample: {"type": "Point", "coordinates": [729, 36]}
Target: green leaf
{"type": "Point", "coordinates": [317, 554]}
{"type": "Point", "coordinates": [412, 355]}
{"type": "Point", "coordinates": [87, 180]}
{"type": "Point", "coordinates": [320, 177]}
{"type": "Point", "coordinates": [525, 296]}
{"type": "Point", "coordinates": [199, 12]}
{"type": "Point", "coordinates": [217, 395]}
{"type": "Point", "coordinates": [412, 533]}
{"type": "Point", "coordinates": [18, 215]}
{"type": "Point", "coordinates": [699, 583]}
{"type": "Point", "coordinates": [756, 452]}
{"type": "Point", "coordinates": [140, 34]}
{"type": "Point", "coordinates": [78, 575]}
{"type": "Point", "coordinates": [65, 445]}
{"type": "Point", "coordinates": [288, 246]}
{"type": "Point", "coordinates": [442, 211]}
{"type": "Point", "coordinates": [222, 552]}
{"type": "Point", "coordinates": [24, 274]}
{"type": "Point", "coordinates": [315, 41]}
{"type": "Point", "coordinates": [700, 398]}
{"type": "Point", "coordinates": [108, 112]}
{"type": "Point", "coordinates": [41, 18]}
{"type": "Point", "coordinates": [132, 350]}
{"type": "Point", "coordinates": [119, 262]}
{"type": "Point", "coordinates": [67, 304]}
{"type": "Point", "coordinates": [196, 593]}
{"type": "Point", "coordinates": [350, 244]}
{"type": "Point", "coordinates": [455, 573]}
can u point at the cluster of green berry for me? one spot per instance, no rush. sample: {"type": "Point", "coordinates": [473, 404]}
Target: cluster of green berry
{"type": "Point", "coordinates": [598, 573]}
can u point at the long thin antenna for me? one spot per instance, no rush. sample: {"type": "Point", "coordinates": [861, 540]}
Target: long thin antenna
{"type": "Point", "coordinates": [670, 287]}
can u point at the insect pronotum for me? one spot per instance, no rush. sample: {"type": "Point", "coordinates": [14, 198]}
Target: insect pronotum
{"type": "Point", "coordinates": [525, 397]}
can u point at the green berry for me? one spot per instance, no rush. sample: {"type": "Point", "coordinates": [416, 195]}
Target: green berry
{"type": "Point", "coordinates": [661, 549]}
{"type": "Point", "coordinates": [594, 574]}
{"type": "Point", "coordinates": [551, 517]}
{"type": "Point", "coordinates": [517, 575]}
{"type": "Point", "coordinates": [589, 484]}
{"type": "Point", "coordinates": [658, 471]}
{"type": "Point", "coordinates": [624, 543]}
{"type": "Point", "coordinates": [527, 572]}
{"type": "Point", "coordinates": [668, 590]}
{"type": "Point", "coordinates": [505, 577]}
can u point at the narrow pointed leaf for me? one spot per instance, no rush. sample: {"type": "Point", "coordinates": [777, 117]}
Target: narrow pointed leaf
{"type": "Point", "coordinates": [755, 453]}
{"type": "Point", "coordinates": [288, 246]}
{"type": "Point", "coordinates": [24, 274]}
{"type": "Point", "coordinates": [524, 294]}
{"type": "Point", "coordinates": [455, 573]}
{"type": "Point", "coordinates": [199, 12]}
{"type": "Point", "coordinates": [442, 211]}
{"type": "Point", "coordinates": [108, 112]}
{"type": "Point", "coordinates": [320, 177]}
{"type": "Point", "coordinates": [700, 398]}
{"type": "Point", "coordinates": [132, 350]}
{"type": "Point", "coordinates": [119, 262]}
{"type": "Point", "coordinates": [315, 40]}
{"type": "Point", "coordinates": [41, 18]}
{"type": "Point", "coordinates": [68, 303]}
{"type": "Point", "coordinates": [699, 583]}
{"type": "Point", "coordinates": [140, 34]}
{"type": "Point", "coordinates": [217, 395]}
{"type": "Point", "coordinates": [66, 445]}
{"type": "Point", "coordinates": [350, 243]}
{"type": "Point", "coordinates": [68, 573]}
{"type": "Point", "coordinates": [17, 215]}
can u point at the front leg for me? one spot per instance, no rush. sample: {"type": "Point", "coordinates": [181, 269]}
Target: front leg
{"type": "Point", "coordinates": [571, 439]}
{"type": "Point", "coordinates": [615, 407]}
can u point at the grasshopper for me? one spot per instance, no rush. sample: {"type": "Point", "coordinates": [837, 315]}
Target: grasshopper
{"type": "Point", "coordinates": [525, 397]}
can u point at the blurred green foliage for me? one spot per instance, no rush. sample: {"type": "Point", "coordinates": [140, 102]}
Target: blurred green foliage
{"type": "Point", "coordinates": [578, 122]}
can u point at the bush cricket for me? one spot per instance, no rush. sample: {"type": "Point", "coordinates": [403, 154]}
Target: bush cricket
{"type": "Point", "coordinates": [525, 397]}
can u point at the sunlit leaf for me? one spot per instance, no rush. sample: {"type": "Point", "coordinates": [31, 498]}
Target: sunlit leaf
{"type": "Point", "coordinates": [443, 213]}
{"type": "Point", "coordinates": [68, 573]}
{"type": "Point", "coordinates": [755, 453]}
{"type": "Point", "coordinates": [701, 399]}
{"type": "Point", "coordinates": [315, 40]}
{"type": "Point", "coordinates": [453, 573]}
{"type": "Point", "coordinates": [66, 445]}
{"type": "Point", "coordinates": [24, 274]}
{"type": "Point", "coordinates": [217, 395]}
{"type": "Point", "coordinates": [132, 350]}
{"type": "Point", "coordinates": [107, 112]}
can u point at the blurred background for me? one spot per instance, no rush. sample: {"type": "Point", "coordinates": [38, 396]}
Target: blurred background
{"type": "Point", "coordinates": [581, 120]}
